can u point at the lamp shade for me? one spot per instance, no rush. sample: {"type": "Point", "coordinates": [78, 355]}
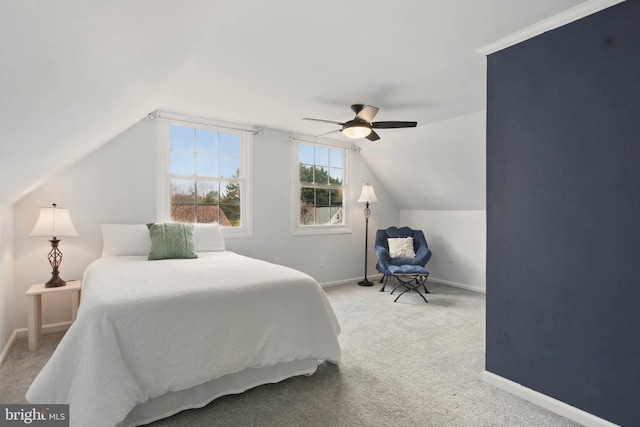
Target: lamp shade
{"type": "Point", "coordinates": [367, 195]}
{"type": "Point", "coordinates": [54, 222]}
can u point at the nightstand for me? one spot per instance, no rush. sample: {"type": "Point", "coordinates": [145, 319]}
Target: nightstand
{"type": "Point", "coordinates": [35, 293]}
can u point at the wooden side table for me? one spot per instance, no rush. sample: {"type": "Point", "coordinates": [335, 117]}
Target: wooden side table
{"type": "Point", "coordinates": [35, 293]}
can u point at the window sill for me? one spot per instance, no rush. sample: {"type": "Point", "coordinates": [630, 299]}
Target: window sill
{"type": "Point", "coordinates": [320, 230]}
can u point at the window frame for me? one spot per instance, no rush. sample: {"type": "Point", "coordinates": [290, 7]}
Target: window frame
{"type": "Point", "coordinates": [246, 168]}
{"type": "Point", "coordinates": [300, 230]}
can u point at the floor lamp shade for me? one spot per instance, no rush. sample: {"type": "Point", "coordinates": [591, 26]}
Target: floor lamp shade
{"type": "Point", "coordinates": [54, 222]}
{"type": "Point", "coordinates": [367, 196]}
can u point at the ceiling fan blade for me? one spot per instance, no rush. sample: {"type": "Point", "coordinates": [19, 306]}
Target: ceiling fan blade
{"type": "Point", "coordinates": [365, 112]}
{"type": "Point", "coordinates": [373, 136]}
{"type": "Point", "coordinates": [324, 121]}
{"type": "Point", "coordinates": [393, 125]}
{"type": "Point", "coordinates": [327, 133]}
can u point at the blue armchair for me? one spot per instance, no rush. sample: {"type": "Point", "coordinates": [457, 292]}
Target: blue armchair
{"type": "Point", "coordinates": [388, 266]}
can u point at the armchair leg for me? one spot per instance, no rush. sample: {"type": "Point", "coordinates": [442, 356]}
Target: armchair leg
{"type": "Point", "coordinates": [424, 280]}
{"type": "Point", "coordinates": [411, 282]}
{"type": "Point", "coordinates": [384, 282]}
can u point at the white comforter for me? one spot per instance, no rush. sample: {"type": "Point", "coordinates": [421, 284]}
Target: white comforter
{"type": "Point", "coordinates": [145, 328]}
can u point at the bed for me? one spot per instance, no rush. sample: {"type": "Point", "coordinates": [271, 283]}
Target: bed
{"type": "Point", "coordinates": [153, 338]}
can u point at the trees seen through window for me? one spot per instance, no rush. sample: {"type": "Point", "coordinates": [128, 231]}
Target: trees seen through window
{"type": "Point", "coordinates": [205, 175]}
{"type": "Point", "coordinates": [321, 178]}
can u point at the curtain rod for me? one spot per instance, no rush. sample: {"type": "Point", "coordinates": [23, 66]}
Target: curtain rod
{"type": "Point", "coordinates": [208, 122]}
{"type": "Point", "coordinates": [351, 147]}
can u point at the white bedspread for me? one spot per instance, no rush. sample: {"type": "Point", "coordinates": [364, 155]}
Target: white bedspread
{"type": "Point", "coordinates": [145, 328]}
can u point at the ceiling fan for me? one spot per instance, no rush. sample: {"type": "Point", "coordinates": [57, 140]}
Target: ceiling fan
{"type": "Point", "coordinates": [361, 126]}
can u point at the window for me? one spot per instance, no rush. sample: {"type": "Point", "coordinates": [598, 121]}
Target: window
{"type": "Point", "coordinates": [320, 191]}
{"type": "Point", "coordinates": [207, 179]}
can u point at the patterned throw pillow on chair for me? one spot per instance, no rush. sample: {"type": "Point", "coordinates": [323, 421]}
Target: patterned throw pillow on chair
{"type": "Point", "coordinates": [401, 247]}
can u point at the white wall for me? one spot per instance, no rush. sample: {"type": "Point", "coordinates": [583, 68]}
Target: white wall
{"type": "Point", "coordinates": [7, 288]}
{"type": "Point", "coordinates": [272, 208]}
{"type": "Point", "coordinates": [441, 167]}
{"type": "Point", "coordinates": [462, 233]}
{"type": "Point", "coordinates": [117, 184]}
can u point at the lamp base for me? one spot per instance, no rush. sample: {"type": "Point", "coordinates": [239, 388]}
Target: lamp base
{"type": "Point", "coordinates": [365, 282]}
{"type": "Point", "coordinates": [55, 282]}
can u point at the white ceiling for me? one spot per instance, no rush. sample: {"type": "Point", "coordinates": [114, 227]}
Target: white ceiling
{"type": "Point", "coordinates": [75, 73]}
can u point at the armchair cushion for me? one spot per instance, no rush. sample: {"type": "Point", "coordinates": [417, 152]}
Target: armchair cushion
{"type": "Point", "coordinates": [407, 269]}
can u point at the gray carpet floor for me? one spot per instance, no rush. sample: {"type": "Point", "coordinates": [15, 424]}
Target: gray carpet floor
{"type": "Point", "coordinates": [404, 364]}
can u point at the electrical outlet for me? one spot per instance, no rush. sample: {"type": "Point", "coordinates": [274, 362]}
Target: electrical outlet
{"type": "Point", "coordinates": [276, 260]}
{"type": "Point", "coordinates": [450, 257]}
{"type": "Point", "coordinates": [323, 261]}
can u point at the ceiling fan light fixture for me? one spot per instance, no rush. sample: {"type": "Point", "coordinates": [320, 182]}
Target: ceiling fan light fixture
{"type": "Point", "coordinates": [356, 131]}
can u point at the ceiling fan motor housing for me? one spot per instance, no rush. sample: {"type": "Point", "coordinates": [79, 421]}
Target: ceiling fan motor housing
{"type": "Point", "coordinates": [356, 108]}
{"type": "Point", "coordinates": [356, 123]}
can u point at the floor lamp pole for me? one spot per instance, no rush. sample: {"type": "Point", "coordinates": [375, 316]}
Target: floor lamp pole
{"type": "Point", "coordinates": [367, 214]}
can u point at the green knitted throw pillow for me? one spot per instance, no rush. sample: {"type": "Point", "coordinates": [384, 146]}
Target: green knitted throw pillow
{"type": "Point", "coordinates": [171, 240]}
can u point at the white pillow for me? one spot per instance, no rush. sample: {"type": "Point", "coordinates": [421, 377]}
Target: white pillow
{"type": "Point", "coordinates": [208, 237]}
{"type": "Point", "coordinates": [125, 239]}
{"type": "Point", "coordinates": [401, 247]}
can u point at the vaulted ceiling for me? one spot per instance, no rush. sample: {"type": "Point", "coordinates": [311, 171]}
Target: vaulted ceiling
{"type": "Point", "coordinates": [76, 73]}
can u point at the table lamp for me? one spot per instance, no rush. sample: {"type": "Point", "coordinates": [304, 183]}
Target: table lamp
{"type": "Point", "coordinates": [54, 222]}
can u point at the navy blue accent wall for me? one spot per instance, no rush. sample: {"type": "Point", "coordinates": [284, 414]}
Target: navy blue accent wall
{"type": "Point", "coordinates": [563, 214]}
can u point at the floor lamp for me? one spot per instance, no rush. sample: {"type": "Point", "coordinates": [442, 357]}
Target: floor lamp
{"type": "Point", "coordinates": [367, 196]}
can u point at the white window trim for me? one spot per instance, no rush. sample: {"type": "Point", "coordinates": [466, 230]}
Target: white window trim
{"type": "Point", "coordinates": [305, 230]}
{"type": "Point", "coordinates": [163, 208]}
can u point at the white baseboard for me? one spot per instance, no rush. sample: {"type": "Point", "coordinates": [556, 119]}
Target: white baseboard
{"type": "Point", "coordinates": [374, 278]}
{"type": "Point", "coordinates": [546, 402]}
{"type": "Point", "coordinates": [46, 329]}
{"type": "Point", "coordinates": [24, 332]}
{"type": "Point", "coordinates": [7, 347]}
{"type": "Point", "coordinates": [458, 285]}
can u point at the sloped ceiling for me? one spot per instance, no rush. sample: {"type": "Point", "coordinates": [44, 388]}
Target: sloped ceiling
{"type": "Point", "coordinates": [75, 73]}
